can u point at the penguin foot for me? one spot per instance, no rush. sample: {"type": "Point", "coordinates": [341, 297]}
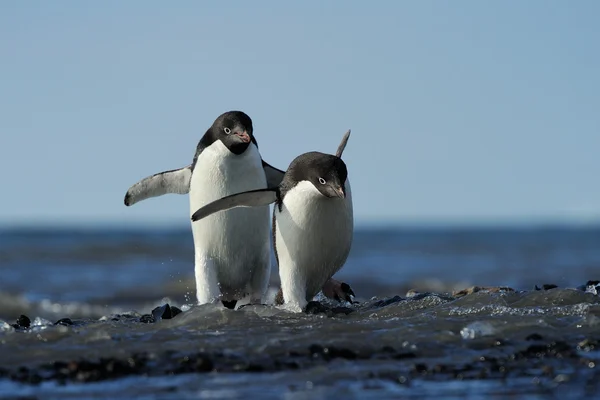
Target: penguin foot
{"type": "Point", "coordinates": [337, 290]}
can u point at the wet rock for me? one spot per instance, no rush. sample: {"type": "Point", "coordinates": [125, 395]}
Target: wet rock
{"type": "Point", "coordinates": [546, 286]}
{"type": "Point", "coordinates": [328, 353]}
{"type": "Point", "coordinates": [93, 371]}
{"type": "Point", "coordinates": [128, 317]}
{"type": "Point", "coordinates": [314, 307]}
{"type": "Point", "coordinates": [23, 322]}
{"type": "Point", "coordinates": [165, 312]}
{"type": "Point", "coordinates": [387, 302]}
{"type": "Point", "coordinates": [249, 367]}
{"type": "Point", "coordinates": [194, 363]}
{"type": "Point", "coordinates": [488, 289]}
{"type": "Point", "coordinates": [553, 349]}
{"type": "Point", "coordinates": [64, 322]}
{"type": "Point", "coordinates": [147, 319]}
{"type": "Point", "coordinates": [420, 368]}
{"type": "Point", "coordinates": [341, 310]}
{"type": "Point", "coordinates": [588, 345]}
{"type": "Point", "coordinates": [405, 355]}
{"type": "Point", "coordinates": [534, 336]}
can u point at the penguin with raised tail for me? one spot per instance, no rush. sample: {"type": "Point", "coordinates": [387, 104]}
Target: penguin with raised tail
{"type": "Point", "coordinates": [312, 221]}
{"type": "Point", "coordinates": [232, 249]}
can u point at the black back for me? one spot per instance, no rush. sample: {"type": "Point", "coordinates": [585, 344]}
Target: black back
{"type": "Point", "coordinates": [234, 121]}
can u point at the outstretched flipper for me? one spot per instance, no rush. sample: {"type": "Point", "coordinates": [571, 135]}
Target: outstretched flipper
{"type": "Point", "coordinates": [174, 181]}
{"type": "Point", "coordinates": [274, 175]}
{"type": "Point", "coordinates": [253, 198]}
{"type": "Point", "coordinates": [342, 145]}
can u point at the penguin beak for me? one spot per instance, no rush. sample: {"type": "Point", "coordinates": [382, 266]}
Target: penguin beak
{"type": "Point", "coordinates": [340, 192]}
{"type": "Point", "coordinates": [243, 136]}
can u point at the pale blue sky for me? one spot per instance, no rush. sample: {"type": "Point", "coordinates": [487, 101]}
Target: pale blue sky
{"type": "Point", "coordinates": [461, 111]}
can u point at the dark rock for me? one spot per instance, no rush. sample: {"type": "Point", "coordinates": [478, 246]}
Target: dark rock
{"type": "Point", "coordinates": [553, 349]}
{"type": "Point", "coordinates": [348, 354]}
{"type": "Point", "coordinates": [341, 310]}
{"type": "Point", "coordinates": [534, 336]}
{"type": "Point", "coordinates": [403, 356]}
{"type": "Point", "coordinates": [64, 322]}
{"type": "Point", "coordinates": [420, 368]}
{"type": "Point", "coordinates": [316, 349]}
{"type": "Point", "coordinates": [314, 307]}
{"type": "Point", "coordinates": [147, 319]}
{"type": "Point", "coordinates": [592, 283]}
{"type": "Point", "coordinates": [194, 363]}
{"type": "Point", "coordinates": [252, 367]}
{"type": "Point", "coordinates": [546, 287]}
{"type": "Point", "coordinates": [588, 345]}
{"type": "Point", "coordinates": [329, 353]}
{"type": "Point", "coordinates": [175, 311]}
{"type": "Point", "coordinates": [23, 321]}
{"type": "Point", "coordinates": [387, 302]}
{"type": "Point", "coordinates": [165, 312]}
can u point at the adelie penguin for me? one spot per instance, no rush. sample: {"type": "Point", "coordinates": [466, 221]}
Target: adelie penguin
{"type": "Point", "coordinates": [232, 249]}
{"type": "Point", "coordinates": [312, 221]}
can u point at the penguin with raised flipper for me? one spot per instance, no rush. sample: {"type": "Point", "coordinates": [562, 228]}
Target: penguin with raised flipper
{"type": "Point", "coordinates": [312, 222]}
{"type": "Point", "coordinates": [232, 250]}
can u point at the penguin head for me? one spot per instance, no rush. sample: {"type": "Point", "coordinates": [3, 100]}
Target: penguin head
{"type": "Point", "coordinates": [234, 129]}
{"type": "Point", "coordinates": [326, 172]}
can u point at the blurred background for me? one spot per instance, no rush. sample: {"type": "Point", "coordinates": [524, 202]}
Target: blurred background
{"type": "Point", "coordinates": [473, 156]}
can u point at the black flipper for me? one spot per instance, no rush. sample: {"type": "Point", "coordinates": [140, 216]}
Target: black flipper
{"type": "Point", "coordinates": [253, 198]}
{"type": "Point", "coordinates": [174, 181]}
{"type": "Point", "coordinates": [342, 145]}
{"type": "Point", "coordinates": [274, 175]}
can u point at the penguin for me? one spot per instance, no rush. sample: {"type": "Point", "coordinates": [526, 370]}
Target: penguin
{"type": "Point", "coordinates": [232, 250]}
{"type": "Point", "coordinates": [312, 221]}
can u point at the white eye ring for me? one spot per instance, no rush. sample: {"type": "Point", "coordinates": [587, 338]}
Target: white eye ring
{"type": "Point", "coordinates": [227, 130]}
{"type": "Point", "coordinates": [322, 181]}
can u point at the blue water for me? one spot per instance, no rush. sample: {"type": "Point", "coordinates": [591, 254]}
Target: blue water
{"type": "Point", "coordinates": [86, 265]}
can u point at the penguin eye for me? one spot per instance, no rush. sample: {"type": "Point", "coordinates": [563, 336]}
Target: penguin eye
{"type": "Point", "coordinates": [322, 181]}
{"type": "Point", "coordinates": [227, 130]}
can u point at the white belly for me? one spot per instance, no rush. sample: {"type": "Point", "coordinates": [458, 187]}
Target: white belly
{"type": "Point", "coordinates": [313, 239]}
{"type": "Point", "coordinates": [232, 247]}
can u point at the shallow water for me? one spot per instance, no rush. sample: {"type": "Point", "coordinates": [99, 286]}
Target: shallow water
{"type": "Point", "coordinates": [527, 343]}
